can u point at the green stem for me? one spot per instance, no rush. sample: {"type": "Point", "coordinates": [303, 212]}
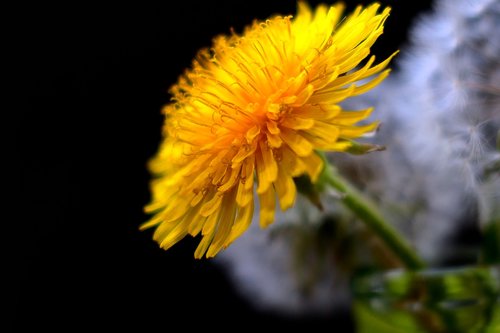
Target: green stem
{"type": "Point", "coordinates": [369, 214]}
{"type": "Point", "coordinates": [491, 242]}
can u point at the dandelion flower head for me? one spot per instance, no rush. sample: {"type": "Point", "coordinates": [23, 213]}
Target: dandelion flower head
{"type": "Point", "coordinates": [252, 113]}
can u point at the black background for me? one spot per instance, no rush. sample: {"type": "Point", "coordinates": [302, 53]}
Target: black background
{"type": "Point", "coordinates": [90, 81]}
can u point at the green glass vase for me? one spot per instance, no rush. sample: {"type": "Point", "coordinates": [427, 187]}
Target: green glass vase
{"type": "Point", "coordinates": [455, 300]}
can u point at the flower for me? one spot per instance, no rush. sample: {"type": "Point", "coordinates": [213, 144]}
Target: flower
{"type": "Point", "coordinates": [251, 115]}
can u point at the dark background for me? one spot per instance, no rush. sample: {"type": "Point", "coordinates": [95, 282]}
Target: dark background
{"type": "Point", "coordinates": [90, 81]}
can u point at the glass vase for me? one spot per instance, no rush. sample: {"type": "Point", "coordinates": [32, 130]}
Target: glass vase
{"type": "Point", "coordinates": [464, 299]}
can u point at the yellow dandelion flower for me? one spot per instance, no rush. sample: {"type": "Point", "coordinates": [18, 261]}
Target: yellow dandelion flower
{"type": "Point", "coordinates": [251, 114]}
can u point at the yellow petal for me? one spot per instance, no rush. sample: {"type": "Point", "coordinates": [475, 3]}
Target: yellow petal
{"type": "Point", "coordinates": [247, 175]}
{"type": "Point", "coordinates": [367, 86]}
{"type": "Point", "coordinates": [297, 123]}
{"type": "Point", "coordinates": [197, 198]}
{"type": "Point", "coordinates": [267, 169]}
{"type": "Point", "coordinates": [296, 142]}
{"type": "Point", "coordinates": [194, 221]}
{"type": "Point", "coordinates": [357, 131]}
{"type": "Point", "coordinates": [314, 165]}
{"type": "Point", "coordinates": [243, 152]}
{"type": "Point", "coordinates": [169, 214]}
{"type": "Point", "coordinates": [201, 249]}
{"type": "Point", "coordinates": [293, 163]}
{"type": "Point", "coordinates": [273, 140]}
{"type": "Point", "coordinates": [318, 111]}
{"type": "Point", "coordinates": [243, 221]}
{"type": "Point", "coordinates": [267, 202]}
{"type": "Point", "coordinates": [325, 132]}
{"type": "Point", "coordinates": [243, 195]}
{"type": "Point", "coordinates": [210, 224]}
{"type": "Point", "coordinates": [352, 117]}
{"type": "Point", "coordinates": [252, 133]}
{"type": "Point", "coordinates": [324, 96]}
{"type": "Point", "coordinates": [174, 236]}
{"type": "Point", "coordinates": [341, 146]}
{"type": "Point", "coordinates": [224, 226]}
{"type": "Point", "coordinates": [285, 189]}
{"type": "Point", "coordinates": [211, 205]}
{"type": "Point", "coordinates": [304, 96]}
{"type": "Point", "coordinates": [272, 127]}
{"type": "Point", "coordinates": [234, 173]}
